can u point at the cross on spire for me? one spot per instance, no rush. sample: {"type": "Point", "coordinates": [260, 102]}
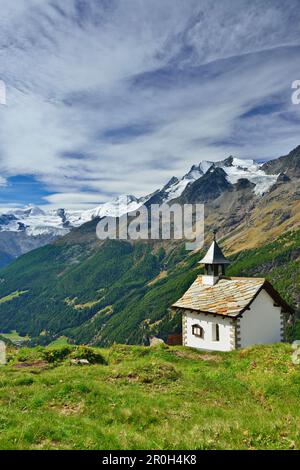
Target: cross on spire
{"type": "Point", "coordinates": [215, 231]}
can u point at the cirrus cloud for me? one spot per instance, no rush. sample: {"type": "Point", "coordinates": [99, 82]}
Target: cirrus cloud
{"type": "Point", "coordinates": [111, 97]}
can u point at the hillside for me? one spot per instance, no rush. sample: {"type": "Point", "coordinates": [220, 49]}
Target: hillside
{"type": "Point", "coordinates": [5, 258]}
{"type": "Point", "coordinates": [152, 398]}
{"type": "Point", "coordinates": [100, 292]}
{"type": "Point", "coordinates": [119, 291]}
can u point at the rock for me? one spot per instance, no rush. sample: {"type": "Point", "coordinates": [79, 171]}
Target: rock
{"type": "Point", "coordinates": [2, 353]}
{"type": "Point", "coordinates": [243, 183]}
{"type": "Point", "coordinates": [80, 362]}
{"type": "Point", "coordinates": [154, 341]}
{"type": "Point", "coordinates": [283, 178]}
{"type": "Point", "coordinates": [288, 164]}
{"type": "Point", "coordinates": [209, 187]}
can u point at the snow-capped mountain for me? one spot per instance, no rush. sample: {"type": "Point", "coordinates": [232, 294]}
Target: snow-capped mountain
{"type": "Point", "coordinates": [31, 227]}
{"type": "Point", "coordinates": [116, 208]}
{"type": "Point", "coordinates": [235, 169]}
{"type": "Point", "coordinates": [35, 221]}
{"type": "Point", "coordinates": [175, 186]}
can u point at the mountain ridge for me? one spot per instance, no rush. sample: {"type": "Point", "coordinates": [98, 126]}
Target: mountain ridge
{"type": "Point", "coordinates": [288, 164]}
{"type": "Point", "coordinates": [37, 227]}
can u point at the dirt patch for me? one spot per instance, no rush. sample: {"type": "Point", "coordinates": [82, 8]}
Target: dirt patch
{"type": "Point", "coordinates": [47, 444]}
{"type": "Point", "coordinates": [71, 409]}
{"type": "Point", "coordinates": [32, 365]}
{"type": "Point", "coordinates": [68, 409]}
{"type": "Point", "coordinates": [160, 276]}
{"type": "Point", "coordinates": [198, 357]}
{"type": "Point", "coordinates": [154, 374]}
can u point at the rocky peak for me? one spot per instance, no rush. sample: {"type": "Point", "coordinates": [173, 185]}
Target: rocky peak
{"type": "Point", "coordinates": [209, 186]}
{"type": "Point", "coordinates": [288, 164]}
{"type": "Point", "coordinates": [243, 183]}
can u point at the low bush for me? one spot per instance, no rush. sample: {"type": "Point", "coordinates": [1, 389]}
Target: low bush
{"type": "Point", "coordinates": [90, 354]}
{"type": "Point", "coordinates": [56, 354]}
{"type": "Point", "coordinates": [29, 354]}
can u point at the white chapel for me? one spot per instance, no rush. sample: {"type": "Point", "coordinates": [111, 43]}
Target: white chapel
{"type": "Point", "coordinates": [221, 313]}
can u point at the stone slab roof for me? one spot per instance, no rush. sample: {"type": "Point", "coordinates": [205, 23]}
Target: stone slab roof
{"type": "Point", "coordinates": [231, 296]}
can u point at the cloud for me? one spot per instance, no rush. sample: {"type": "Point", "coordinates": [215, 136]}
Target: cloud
{"type": "Point", "coordinates": [111, 97]}
{"type": "Point", "coordinates": [3, 181]}
{"type": "Point", "coordinates": [74, 200]}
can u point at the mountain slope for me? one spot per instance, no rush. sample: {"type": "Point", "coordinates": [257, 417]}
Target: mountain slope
{"type": "Point", "coordinates": [288, 164]}
{"type": "Point", "coordinates": [99, 292]}
{"type": "Point", "coordinates": [5, 258]}
{"type": "Point", "coordinates": [121, 291]}
{"type": "Point", "coordinates": [210, 186]}
{"type": "Point", "coordinates": [22, 230]}
{"type": "Point", "coordinates": [14, 244]}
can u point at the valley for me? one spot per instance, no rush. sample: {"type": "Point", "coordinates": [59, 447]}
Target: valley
{"type": "Point", "coordinates": [100, 292]}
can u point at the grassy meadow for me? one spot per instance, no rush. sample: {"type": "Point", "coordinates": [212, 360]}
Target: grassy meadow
{"type": "Point", "coordinates": [135, 397]}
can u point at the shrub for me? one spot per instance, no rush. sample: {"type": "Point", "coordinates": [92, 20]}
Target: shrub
{"type": "Point", "coordinates": [23, 355]}
{"type": "Point", "coordinates": [84, 352]}
{"type": "Point", "coordinates": [293, 331]}
{"type": "Point", "coordinates": [29, 354]}
{"type": "Point", "coordinates": [56, 354]}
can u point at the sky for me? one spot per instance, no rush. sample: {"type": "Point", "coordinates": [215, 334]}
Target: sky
{"type": "Point", "coordinates": [110, 97]}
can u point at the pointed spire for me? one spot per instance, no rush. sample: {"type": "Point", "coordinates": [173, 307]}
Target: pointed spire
{"type": "Point", "coordinates": [215, 263]}
{"type": "Point", "coordinates": [214, 254]}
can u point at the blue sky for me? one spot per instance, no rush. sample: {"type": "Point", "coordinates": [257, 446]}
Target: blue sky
{"type": "Point", "coordinates": [22, 188]}
{"type": "Point", "coordinates": [109, 97]}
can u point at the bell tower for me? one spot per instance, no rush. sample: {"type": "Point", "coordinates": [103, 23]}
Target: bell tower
{"type": "Point", "coordinates": [215, 263]}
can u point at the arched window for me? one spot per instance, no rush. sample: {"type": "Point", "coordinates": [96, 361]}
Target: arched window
{"type": "Point", "coordinates": [197, 330]}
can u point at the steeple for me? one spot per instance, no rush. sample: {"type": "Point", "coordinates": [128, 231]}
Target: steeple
{"type": "Point", "coordinates": [214, 262]}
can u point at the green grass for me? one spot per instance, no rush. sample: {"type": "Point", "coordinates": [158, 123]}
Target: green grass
{"type": "Point", "coordinates": [154, 398]}
{"type": "Point", "coordinates": [61, 341]}
{"type": "Point", "coordinates": [12, 296]}
{"type": "Point", "coordinates": [14, 336]}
